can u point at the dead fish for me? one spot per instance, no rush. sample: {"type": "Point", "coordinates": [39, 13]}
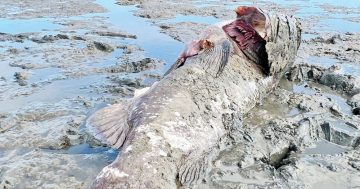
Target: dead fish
{"type": "Point", "coordinates": [168, 133]}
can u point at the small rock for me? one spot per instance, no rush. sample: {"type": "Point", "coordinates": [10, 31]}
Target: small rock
{"type": "Point", "coordinates": [78, 38]}
{"type": "Point", "coordinates": [332, 167]}
{"type": "Point", "coordinates": [268, 137]}
{"type": "Point", "coordinates": [354, 101]}
{"type": "Point", "coordinates": [115, 34]}
{"type": "Point", "coordinates": [356, 111]}
{"type": "Point", "coordinates": [49, 38]}
{"type": "Point", "coordinates": [335, 110]}
{"type": "Point", "coordinates": [355, 165]}
{"type": "Point", "coordinates": [128, 49]}
{"type": "Point", "coordinates": [128, 82]}
{"type": "Point", "coordinates": [333, 39]}
{"type": "Point", "coordinates": [103, 47]}
{"type": "Point", "coordinates": [62, 36]}
{"type": "Point", "coordinates": [134, 67]}
{"type": "Point", "coordinates": [65, 142]}
{"type": "Point", "coordinates": [21, 77]}
{"type": "Point", "coordinates": [13, 51]}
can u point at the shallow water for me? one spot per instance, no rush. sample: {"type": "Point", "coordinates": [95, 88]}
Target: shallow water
{"type": "Point", "coordinates": [155, 44]}
{"type": "Point", "coordinates": [325, 148]}
{"type": "Point", "coordinates": [193, 18]}
{"type": "Point", "coordinates": [45, 74]}
{"type": "Point", "coordinates": [338, 25]}
{"type": "Point", "coordinates": [308, 88]}
{"type": "Point", "coordinates": [54, 87]}
{"type": "Point", "coordinates": [15, 26]}
{"type": "Point", "coordinates": [149, 38]}
{"type": "Point", "coordinates": [344, 127]}
{"type": "Point", "coordinates": [345, 68]}
{"type": "Point", "coordinates": [159, 45]}
{"type": "Point", "coordinates": [53, 92]}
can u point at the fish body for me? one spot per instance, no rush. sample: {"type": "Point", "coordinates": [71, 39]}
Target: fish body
{"type": "Point", "coordinates": [168, 133]}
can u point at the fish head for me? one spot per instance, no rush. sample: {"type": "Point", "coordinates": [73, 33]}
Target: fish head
{"type": "Point", "coordinates": [269, 41]}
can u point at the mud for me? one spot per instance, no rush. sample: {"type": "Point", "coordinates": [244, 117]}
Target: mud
{"type": "Point", "coordinates": [38, 9]}
{"type": "Point", "coordinates": [330, 77]}
{"type": "Point", "coordinates": [61, 61]}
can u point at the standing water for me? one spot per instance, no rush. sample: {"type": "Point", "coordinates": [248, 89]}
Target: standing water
{"type": "Point", "coordinates": [49, 86]}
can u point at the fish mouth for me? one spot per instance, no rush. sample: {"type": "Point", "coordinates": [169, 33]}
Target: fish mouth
{"type": "Point", "coordinates": [249, 32]}
{"type": "Point", "coordinates": [254, 17]}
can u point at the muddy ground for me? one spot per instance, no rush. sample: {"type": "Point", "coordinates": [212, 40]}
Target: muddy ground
{"type": "Point", "coordinates": [63, 60]}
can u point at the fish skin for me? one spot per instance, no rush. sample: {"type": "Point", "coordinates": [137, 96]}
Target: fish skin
{"type": "Point", "coordinates": [175, 127]}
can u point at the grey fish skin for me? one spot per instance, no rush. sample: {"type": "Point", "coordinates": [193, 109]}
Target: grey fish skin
{"type": "Point", "coordinates": [168, 134]}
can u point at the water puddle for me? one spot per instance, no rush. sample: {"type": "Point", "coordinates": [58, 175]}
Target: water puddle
{"type": "Point", "coordinates": [192, 18]}
{"type": "Point", "coordinates": [308, 36]}
{"type": "Point", "coordinates": [7, 71]}
{"type": "Point", "coordinates": [155, 44]}
{"type": "Point", "coordinates": [55, 92]}
{"type": "Point", "coordinates": [303, 89]}
{"type": "Point", "coordinates": [45, 74]}
{"type": "Point", "coordinates": [337, 25]}
{"type": "Point", "coordinates": [348, 3]}
{"type": "Point", "coordinates": [149, 38]}
{"type": "Point", "coordinates": [327, 62]}
{"type": "Point", "coordinates": [324, 147]}
{"type": "Point", "coordinates": [293, 112]}
{"type": "Point", "coordinates": [85, 148]}
{"type": "Point", "coordinates": [322, 61]}
{"type": "Point", "coordinates": [107, 61]}
{"type": "Point", "coordinates": [15, 152]}
{"type": "Point", "coordinates": [342, 102]}
{"type": "Point", "coordinates": [270, 110]}
{"type": "Point", "coordinates": [26, 44]}
{"type": "Point", "coordinates": [344, 127]}
{"type": "Point", "coordinates": [165, 47]}
{"type": "Point", "coordinates": [308, 89]}
{"type": "Point", "coordinates": [201, 4]}
{"type": "Point", "coordinates": [15, 26]}
{"type": "Point", "coordinates": [275, 109]}
{"type": "Point", "coordinates": [340, 99]}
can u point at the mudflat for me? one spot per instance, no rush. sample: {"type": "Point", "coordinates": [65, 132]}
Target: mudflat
{"type": "Point", "coordinates": [61, 61]}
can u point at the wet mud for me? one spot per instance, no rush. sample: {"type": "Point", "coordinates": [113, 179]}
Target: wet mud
{"type": "Point", "coordinates": [61, 61]}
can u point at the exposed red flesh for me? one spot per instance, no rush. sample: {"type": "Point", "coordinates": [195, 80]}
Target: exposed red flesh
{"type": "Point", "coordinates": [244, 32]}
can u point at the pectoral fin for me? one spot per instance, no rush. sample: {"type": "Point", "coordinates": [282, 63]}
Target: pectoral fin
{"type": "Point", "coordinates": [109, 124]}
{"type": "Point", "coordinates": [179, 62]}
{"type": "Point", "coordinates": [214, 57]}
{"type": "Point", "coordinates": [193, 171]}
